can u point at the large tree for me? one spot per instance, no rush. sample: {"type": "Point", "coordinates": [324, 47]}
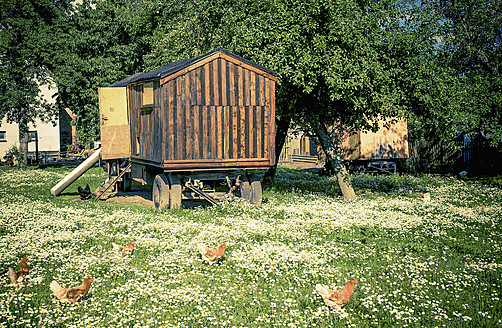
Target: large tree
{"type": "Point", "coordinates": [21, 71]}
{"type": "Point", "coordinates": [331, 57]}
{"type": "Point", "coordinates": [99, 43]}
{"type": "Point", "coordinates": [471, 37]}
{"type": "Point", "coordinates": [344, 61]}
{"type": "Point", "coordinates": [449, 54]}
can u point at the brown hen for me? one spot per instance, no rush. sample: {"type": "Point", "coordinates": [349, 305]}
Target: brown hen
{"type": "Point", "coordinates": [24, 270]}
{"type": "Point", "coordinates": [71, 294]}
{"type": "Point", "coordinates": [212, 255]}
{"type": "Point", "coordinates": [19, 276]}
{"type": "Point", "coordinates": [339, 297]}
{"type": "Point", "coordinates": [124, 250]}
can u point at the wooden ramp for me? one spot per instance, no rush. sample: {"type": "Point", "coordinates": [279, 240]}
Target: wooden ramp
{"type": "Point", "coordinates": [114, 181]}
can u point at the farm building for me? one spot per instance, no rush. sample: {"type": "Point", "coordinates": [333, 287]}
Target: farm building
{"type": "Point", "coordinates": [44, 137]}
{"type": "Point", "coordinates": [299, 147]}
{"type": "Point", "coordinates": [388, 143]}
{"type": "Point", "coordinates": [211, 113]}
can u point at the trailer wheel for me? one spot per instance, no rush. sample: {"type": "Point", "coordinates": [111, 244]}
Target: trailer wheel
{"type": "Point", "coordinates": [245, 189]}
{"type": "Point", "coordinates": [160, 192]}
{"type": "Point", "coordinates": [256, 191]}
{"type": "Point", "coordinates": [176, 192]}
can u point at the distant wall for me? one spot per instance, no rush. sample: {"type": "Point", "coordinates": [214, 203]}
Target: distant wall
{"type": "Point", "coordinates": [9, 134]}
{"type": "Point", "coordinates": [48, 134]}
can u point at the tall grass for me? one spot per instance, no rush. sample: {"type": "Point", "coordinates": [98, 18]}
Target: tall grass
{"type": "Point", "coordinates": [435, 264]}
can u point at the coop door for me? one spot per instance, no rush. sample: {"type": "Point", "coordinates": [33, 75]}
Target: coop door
{"type": "Point", "coordinates": [114, 123]}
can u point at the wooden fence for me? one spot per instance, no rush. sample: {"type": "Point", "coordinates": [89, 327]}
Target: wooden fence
{"type": "Point", "coordinates": [474, 156]}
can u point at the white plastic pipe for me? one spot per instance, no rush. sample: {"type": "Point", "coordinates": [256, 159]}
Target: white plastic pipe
{"type": "Point", "coordinates": [77, 172]}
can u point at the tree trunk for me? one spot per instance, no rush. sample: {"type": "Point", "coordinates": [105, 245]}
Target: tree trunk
{"type": "Point", "coordinates": [280, 139]}
{"type": "Point", "coordinates": [332, 156]}
{"type": "Point", "coordinates": [23, 138]}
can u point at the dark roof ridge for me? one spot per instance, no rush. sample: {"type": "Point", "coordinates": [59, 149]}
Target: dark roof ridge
{"type": "Point", "coordinates": [182, 64]}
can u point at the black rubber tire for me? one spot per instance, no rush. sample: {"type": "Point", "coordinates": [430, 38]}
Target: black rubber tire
{"type": "Point", "coordinates": [176, 192]}
{"type": "Point", "coordinates": [256, 191]}
{"type": "Point", "coordinates": [160, 192]}
{"type": "Point", "coordinates": [245, 189]}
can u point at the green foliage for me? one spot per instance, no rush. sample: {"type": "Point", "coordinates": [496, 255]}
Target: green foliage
{"type": "Point", "coordinates": [469, 58]}
{"type": "Point", "coordinates": [495, 181]}
{"type": "Point", "coordinates": [17, 156]}
{"type": "Point", "coordinates": [289, 180]}
{"type": "Point", "coordinates": [344, 60]}
{"type": "Point", "coordinates": [107, 42]}
{"type": "Point", "coordinates": [21, 72]}
{"type": "Point", "coordinates": [330, 56]}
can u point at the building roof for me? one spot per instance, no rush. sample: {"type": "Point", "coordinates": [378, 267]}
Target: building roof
{"type": "Point", "coordinates": [126, 81]}
{"type": "Point", "coordinates": [178, 65]}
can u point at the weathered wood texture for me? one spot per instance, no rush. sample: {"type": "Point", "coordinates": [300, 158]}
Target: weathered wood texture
{"type": "Point", "coordinates": [145, 124]}
{"type": "Point", "coordinates": [216, 115]}
{"type": "Point", "coordinates": [390, 141]}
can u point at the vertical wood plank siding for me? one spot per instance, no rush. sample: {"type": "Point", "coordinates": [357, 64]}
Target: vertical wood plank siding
{"type": "Point", "coordinates": [218, 111]}
{"type": "Point", "coordinates": [146, 131]}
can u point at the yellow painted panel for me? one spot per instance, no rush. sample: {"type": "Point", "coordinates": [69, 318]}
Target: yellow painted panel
{"type": "Point", "coordinates": [115, 141]}
{"type": "Point", "coordinates": [113, 106]}
{"type": "Point", "coordinates": [147, 94]}
{"type": "Point", "coordinates": [389, 142]}
{"type": "Point", "coordinates": [115, 131]}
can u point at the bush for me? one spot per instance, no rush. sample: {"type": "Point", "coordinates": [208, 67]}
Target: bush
{"type": "Point", "coordinates": [15, 154]}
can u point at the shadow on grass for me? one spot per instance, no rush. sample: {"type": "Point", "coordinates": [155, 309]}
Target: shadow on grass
{"type": "Point", "coordinates": [290, 180]}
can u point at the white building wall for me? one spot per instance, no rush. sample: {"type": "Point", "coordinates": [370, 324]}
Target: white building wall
{"type": "Point", "coordinates": [48, 137]}
{"type": "Point", "coordinates": [48, 134]}
{"type": "Point", "coordinates": [11, 133]}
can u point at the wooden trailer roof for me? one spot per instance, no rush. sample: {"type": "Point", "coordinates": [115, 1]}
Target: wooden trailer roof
{"type": "Point", "coordinates": [181, 66]}
{"type": "Point", "coordinates": [126, 81]}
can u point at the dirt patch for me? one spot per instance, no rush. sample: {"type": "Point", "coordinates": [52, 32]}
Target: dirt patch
{"type": "Point", "coordinates": [144, 198]}
{"type": "Point", "coordinates": [136, 197]}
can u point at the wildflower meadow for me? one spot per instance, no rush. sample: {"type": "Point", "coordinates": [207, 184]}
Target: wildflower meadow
{"type": "Point", "coordinates": [418, 264]}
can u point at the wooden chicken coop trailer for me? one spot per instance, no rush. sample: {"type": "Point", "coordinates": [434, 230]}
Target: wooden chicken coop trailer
{"type": "Point", "coordinates": [192, 124]}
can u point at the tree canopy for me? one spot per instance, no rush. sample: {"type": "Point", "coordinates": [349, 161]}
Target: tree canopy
{"type": "Point", "coordinates": [21, 71]}
{"type": "Point", "coordinates": [471, 48]}
{"type": "Point", "coordinates": [435, 62]}
{"type": "Point", "coordinates": [96, 45]}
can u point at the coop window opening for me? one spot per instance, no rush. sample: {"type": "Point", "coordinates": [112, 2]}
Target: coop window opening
{"type": "Point", "coordinates": [3, 136]}
{"type": "Point", "coordinates": [147, 94]}
{"type": "Point", "coordinates": [146, 110]}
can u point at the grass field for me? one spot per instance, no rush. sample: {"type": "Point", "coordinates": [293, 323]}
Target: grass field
{"type": "Point", "coordinates": [418, 264]}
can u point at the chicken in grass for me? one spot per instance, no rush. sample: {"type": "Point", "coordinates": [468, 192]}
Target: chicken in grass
{"type": "Point", "coordinates": [339, 297]}
{"type": "Point", "coordinates": [85, 193]}
{"type": "Point", "coordinates": [71, 294]}
{"type": "Point", "coordinates": [212, 255]}
{"type": "Point", "coordinates": [426, 197]}
{"type": "Point", "coordinates": [19, 276]}
{"type": "Point", "coordinates": [12, 276]}
{"type": "Point", "coordinates": [24, 269]}
{"type": "Point", "coordinates": [124, 250]}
